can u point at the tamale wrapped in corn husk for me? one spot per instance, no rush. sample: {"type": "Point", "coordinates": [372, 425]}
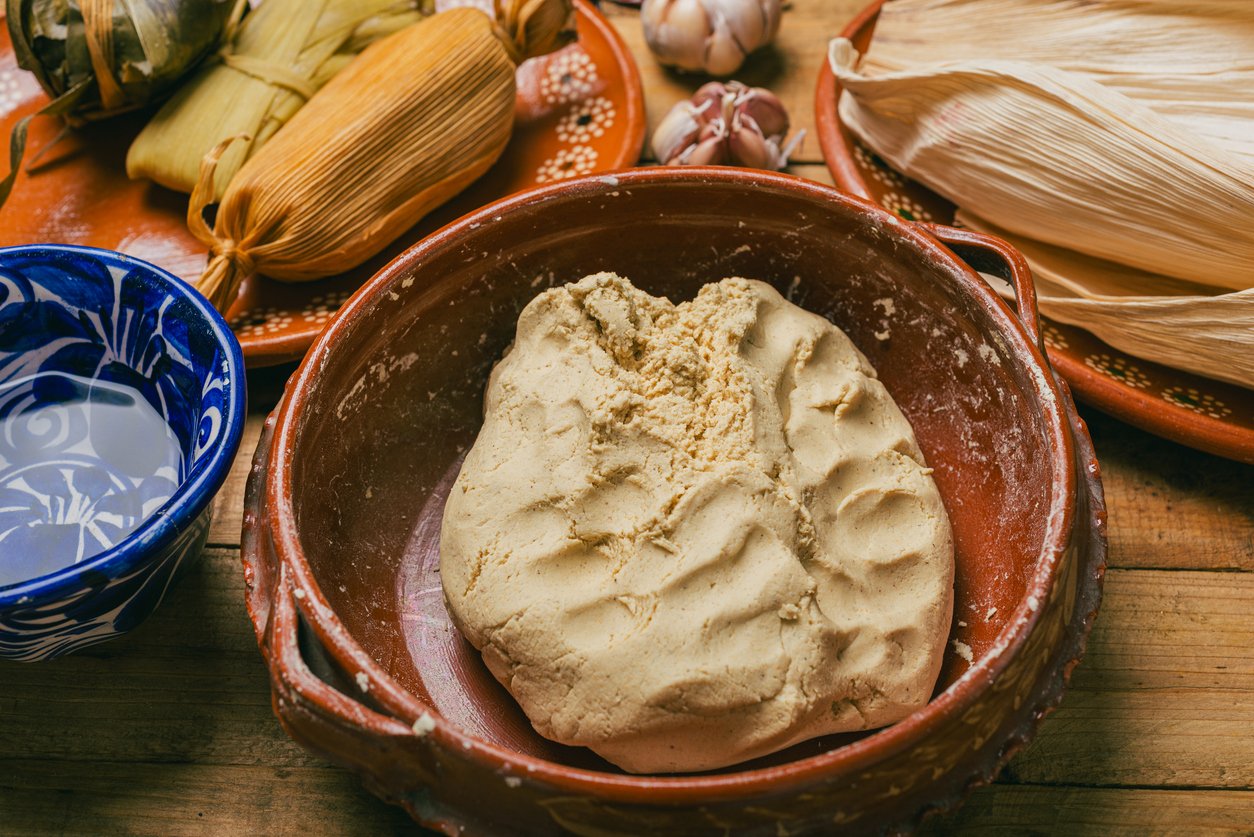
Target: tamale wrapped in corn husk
{"type": "Point", "coordinates": [1112, 141]}
{"type": "Point", "coordinates": [95, 58]}
{"type": "Point", "coordinates": [114, 55]}
{"type": "Point", "coordinates": [408, 124]}
{"type": "Point", "coordinates": [282, 54]}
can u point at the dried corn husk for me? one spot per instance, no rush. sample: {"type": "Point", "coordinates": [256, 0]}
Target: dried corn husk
{"type": "Point", "coordinates": [283, 53]}
{"type": "Point", "coordinates": [1186, 60]}
{"type": "Point", "coordinates": [1104, 139]}
{"type": "Point", "coordinates": [1056, 156]}
{"type": "Point", "coordinates": [408, 124]}
{"type": "Point", "coordinates": [1170, 321]}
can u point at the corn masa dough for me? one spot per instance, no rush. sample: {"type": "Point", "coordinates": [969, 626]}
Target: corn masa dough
{"type": "Point", "coordinates": [690, 535]}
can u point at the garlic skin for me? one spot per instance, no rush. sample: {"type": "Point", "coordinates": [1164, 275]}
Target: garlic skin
{"type": "Point", "coordinates": [712, 36]}
{"type": "Point", "coordinates": [726, 124]}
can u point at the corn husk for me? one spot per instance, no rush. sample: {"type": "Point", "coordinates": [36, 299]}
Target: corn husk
{"type": "Point", "coordinates": [407, 125]}
{"type": "Point", "coordinates": [1170, 321]}
{"type": "Point", "coordinates": [114, 56]}
{"type": "Point", "coordinates": [1170, 55]}
{"type": "Point", "coordinates": [283, 53]}
{"type": "Point", "coordinates": [1113, 153]}
{"type": "Point", "coordinates": [95, 58]}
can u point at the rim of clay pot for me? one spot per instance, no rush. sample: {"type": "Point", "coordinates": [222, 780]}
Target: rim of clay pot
{"type": "Point", "coordinates": [863, 753]}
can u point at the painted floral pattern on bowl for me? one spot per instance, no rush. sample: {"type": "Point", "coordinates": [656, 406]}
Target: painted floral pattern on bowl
{"type": "Point", "coordinates": [578, 110]}
{"type": "Point", "coordinates": [83, 462]}
{"type": "Point", "coordinates": [73, 318]}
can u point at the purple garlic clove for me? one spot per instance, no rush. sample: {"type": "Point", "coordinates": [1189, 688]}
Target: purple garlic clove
{"type": "Point", "coordinates": [766, 111]}
{"type": "Point", "coordinates": [726, 124]}
{"type": "Point", "coordinates": [677, 131]}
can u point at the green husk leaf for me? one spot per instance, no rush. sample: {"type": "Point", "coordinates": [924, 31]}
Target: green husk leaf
{"type": "Point", "coordinates": [59, 106]}
{"type": "Point", "coordinates": [155, 42]}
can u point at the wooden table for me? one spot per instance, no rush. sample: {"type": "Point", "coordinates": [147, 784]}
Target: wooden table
{"type": "Point", "coordinates": [169, 730]}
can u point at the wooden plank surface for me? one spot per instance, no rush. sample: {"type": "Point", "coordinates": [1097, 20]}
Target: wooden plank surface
{"type": "Point", "coordinates": [1014, 811]}
{"type": "Point", "coordinates": [170, 731]}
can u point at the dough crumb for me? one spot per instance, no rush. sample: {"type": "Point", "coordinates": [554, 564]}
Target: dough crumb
{"type": "Point", "coordinates": [964, 651]}
{"type": "Point", "coordinates": [424, 725]}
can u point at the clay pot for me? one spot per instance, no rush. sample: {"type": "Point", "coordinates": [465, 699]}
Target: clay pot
{"type": "Point", "coordinates": [345, 499]}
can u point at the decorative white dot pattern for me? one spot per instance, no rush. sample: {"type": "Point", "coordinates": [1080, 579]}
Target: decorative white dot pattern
{"type": "Point", "coordinates": [586, 121]}
{"type": "Point", "coordinates": [263, 322]}
{"type": "Point", "coordinates": [322, 306]}
{"type": "Point", "coordinates": [1054, 338]}
{"type": "Point", "coordinates": [1201, 403]}
{"type": "Point", "coordinates": [568, 162]}
{"type": "Point", "coordinates": [570, 76]}
{"type": "Point", "coordinates": [877, 168]}
{"type": "Point", "coordinates": [9, 92]}
{"type": "Point", "coordinates": [1119, 368]}
{"type": "Point", "coordinates": [905, 206]}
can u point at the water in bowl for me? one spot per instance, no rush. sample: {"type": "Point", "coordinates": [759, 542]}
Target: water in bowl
{"type": "Point", "coordinates": [82, 464]}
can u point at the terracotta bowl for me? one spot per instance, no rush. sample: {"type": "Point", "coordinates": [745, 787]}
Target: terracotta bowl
{"type": "Point", "coordinates": [346, 494]}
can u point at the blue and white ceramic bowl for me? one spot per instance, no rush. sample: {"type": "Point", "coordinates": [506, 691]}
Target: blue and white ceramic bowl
{"type": "Point", "coordinates": [105, 317]}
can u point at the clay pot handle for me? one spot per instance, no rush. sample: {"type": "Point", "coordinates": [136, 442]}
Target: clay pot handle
{"type": "Point", "coordinates": [340, 721]}
{"type": "Point", "coordinates": [992, 255]}
{"type": "Point", "coordinates": [344, 717]}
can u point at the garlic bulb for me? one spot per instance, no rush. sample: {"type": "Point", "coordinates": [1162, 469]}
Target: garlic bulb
{"type": "Point", "coordinates": [708, 35]}
{"type": "Point", "coordinates": [726, 124]}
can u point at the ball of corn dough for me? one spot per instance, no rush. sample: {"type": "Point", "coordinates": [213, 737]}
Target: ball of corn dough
{"type": "Point", "coordinates": [690, 535]}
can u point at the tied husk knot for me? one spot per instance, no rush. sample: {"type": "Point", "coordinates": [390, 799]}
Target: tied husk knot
{"type": "Point", "coordinates": [534, 27]}
{"type": "Point", "coordinates": [269, 72]}
{"type": "Point", "coordinates": [229, 261]}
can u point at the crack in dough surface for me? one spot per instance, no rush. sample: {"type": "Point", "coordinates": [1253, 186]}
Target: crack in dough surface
{"type": "Point", "coordinates": [690, 535]}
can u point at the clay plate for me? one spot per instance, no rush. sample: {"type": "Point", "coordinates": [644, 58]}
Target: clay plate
{"type": "Point", "coordinates": [579, 110]}
{"type": "Point", "coordinates": [347, 490]}
{"type": "Point", "coordinates": [1199, 412]}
